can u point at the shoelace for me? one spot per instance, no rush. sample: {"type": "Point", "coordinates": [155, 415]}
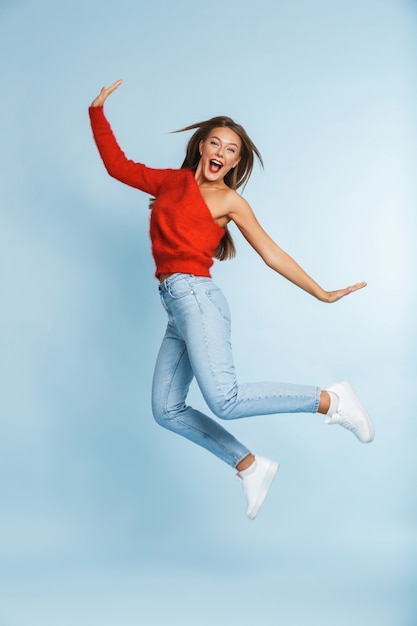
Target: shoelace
{"type": "Point", "coordinates": [343, 420]}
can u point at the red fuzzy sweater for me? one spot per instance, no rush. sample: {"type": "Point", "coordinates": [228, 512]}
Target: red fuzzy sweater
{"type": "Point", "coordinates": [183, 233]}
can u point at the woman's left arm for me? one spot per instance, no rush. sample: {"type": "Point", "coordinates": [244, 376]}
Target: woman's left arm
{"type": "Point", "coordinates": [276, 258]}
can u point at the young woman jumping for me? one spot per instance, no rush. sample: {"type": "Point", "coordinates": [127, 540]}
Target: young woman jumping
{"type": "Point", "coordinates": [188, 227]}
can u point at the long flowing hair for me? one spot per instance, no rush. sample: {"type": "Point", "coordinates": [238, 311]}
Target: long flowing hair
{"type": "Point", "coordinates": [235, 178]}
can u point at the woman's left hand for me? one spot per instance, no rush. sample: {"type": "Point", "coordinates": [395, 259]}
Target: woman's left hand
{"type": "Point", "coordinates": [334, 296]}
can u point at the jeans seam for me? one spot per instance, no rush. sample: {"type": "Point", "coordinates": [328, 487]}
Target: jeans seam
{"type": "Point", "coordinates": [207, 343]}
{"type": "Point", "coordinates": [174, 369]}
{"type": "Point", "coordinates": [209, 437]}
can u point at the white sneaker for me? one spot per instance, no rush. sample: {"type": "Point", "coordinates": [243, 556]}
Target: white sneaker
{"type": "Point", "coordinates": [350, 413]}
{"type": "Point", "coordinates": [257, 484]}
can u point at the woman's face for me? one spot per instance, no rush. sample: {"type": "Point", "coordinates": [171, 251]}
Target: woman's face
{"type": "Point", "coordinates": [220, 152]}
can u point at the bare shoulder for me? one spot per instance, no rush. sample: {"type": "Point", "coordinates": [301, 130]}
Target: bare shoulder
{"type": "Point", "coordinates": [236, 204]}
{"type": "Point", "coordinates": [240, 211]}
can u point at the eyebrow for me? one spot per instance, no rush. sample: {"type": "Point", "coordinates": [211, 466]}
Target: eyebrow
{"type": "Point", "coordinates": [229, 143]}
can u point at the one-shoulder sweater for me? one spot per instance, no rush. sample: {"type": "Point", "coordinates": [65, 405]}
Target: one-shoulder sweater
{"type": "Point", "coordinates": [183, 234]}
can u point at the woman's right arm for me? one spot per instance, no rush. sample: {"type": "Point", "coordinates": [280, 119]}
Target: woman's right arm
{"type": "Point", "coordinates": [117, 165]}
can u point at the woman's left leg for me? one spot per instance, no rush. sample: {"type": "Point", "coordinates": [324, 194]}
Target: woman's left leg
{"type": "Point", "coordinates": [202, 319]}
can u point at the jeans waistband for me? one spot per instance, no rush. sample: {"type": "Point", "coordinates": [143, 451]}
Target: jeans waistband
{"type": "Point", "coordinates": [172, 279]}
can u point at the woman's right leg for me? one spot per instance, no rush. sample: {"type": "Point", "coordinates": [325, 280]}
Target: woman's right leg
{"type": "Point", "coordinates": [172, 379]}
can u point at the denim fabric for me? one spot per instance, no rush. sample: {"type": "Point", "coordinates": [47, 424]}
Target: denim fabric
{"type": "Point", "coordinates": [197, 343]}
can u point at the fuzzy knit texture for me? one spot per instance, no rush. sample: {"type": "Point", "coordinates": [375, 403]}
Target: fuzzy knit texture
{"type": "Point", "coordinates": [183, 233]}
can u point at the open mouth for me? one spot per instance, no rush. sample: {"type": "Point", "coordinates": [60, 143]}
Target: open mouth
{"type": "Point", "coordinates": [215, 166]}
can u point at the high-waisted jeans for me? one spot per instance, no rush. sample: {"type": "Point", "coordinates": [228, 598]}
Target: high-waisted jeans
{"type": "Point", "coordinates": [197, 343]}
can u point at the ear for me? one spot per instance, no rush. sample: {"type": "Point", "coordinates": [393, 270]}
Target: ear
{"type": "Point", "coordinates": [200, 146]}
{"type": "Point", "coordinates": [237, 161]}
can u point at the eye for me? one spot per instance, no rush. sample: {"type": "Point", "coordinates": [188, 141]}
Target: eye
{"type": "Point", "coordinates": [214, 143]}
{"type": "Point", "coordinates": [232, 150]}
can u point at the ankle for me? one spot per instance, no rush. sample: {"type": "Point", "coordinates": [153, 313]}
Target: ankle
{"type": "Point", "coordinates": [329, 403]}
{"type": "Point", "coordinates": [324, 403]}
{"type": "Point", "coordinates": [245, 463]}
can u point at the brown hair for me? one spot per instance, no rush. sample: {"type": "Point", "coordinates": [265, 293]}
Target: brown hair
{"type": "Point", "coordinates": [235, 178]}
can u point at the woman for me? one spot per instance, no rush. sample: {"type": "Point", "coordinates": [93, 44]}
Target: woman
{"type": "Point", "coordinates": [188, 227]}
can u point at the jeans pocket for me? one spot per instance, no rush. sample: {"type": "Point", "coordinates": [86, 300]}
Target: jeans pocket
{"type": "Point", "coordinates": [179, 289]}
{"type": "Point", "coordinates": [217, 298]}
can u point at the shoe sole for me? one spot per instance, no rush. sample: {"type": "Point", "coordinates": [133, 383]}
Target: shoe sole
{"type": "Point", "coordinates": [370, 427]}
{"type": "Point", "coordinates": [270, 475]}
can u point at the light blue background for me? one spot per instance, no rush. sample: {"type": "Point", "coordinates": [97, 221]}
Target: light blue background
{"type": "Point", "coordinates": [106, 518]}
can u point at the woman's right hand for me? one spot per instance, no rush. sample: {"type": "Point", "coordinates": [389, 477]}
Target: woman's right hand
{"type": "Point", "coordinates": [105, 93]}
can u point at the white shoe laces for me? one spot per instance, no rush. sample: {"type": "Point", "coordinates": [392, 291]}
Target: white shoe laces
{"type": "Point", "coordinates": [340, 418]}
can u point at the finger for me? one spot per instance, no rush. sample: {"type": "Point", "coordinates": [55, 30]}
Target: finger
{"type": "Point", "coordinates": [105, 93]}
{"type": "Point", "coordinates": [115, 86]}
{"type": "Point", "coordinates": [357, 286]}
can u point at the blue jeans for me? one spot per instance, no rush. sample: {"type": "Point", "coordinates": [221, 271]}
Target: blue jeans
{"type": "Point", "coordinates": [197, 343]}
